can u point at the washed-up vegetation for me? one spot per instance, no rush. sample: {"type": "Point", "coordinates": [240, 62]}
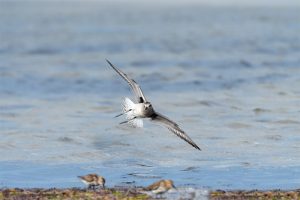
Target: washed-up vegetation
{"type": "Point", "coordinates": [73, 193]}
{"type": "Point", "coordinates": [136, 194]}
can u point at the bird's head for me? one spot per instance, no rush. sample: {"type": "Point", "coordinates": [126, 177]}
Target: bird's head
{"type": "Point", "coordinates": [147, 105]}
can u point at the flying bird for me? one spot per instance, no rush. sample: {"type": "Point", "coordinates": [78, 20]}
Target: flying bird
{"type": "Point", "coordinates": [135, 112]}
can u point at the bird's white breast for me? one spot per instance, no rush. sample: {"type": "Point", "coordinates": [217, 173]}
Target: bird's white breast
{"type": "Point", "coordinates": [138, 110]}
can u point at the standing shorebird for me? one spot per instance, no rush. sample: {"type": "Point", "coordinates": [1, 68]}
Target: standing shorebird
{"type": "Point", "coordinates": [135, 112]}
{"type": "Point", "coordinates": [93, 180]}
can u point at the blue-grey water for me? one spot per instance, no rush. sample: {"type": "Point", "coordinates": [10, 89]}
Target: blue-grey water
{"type": "Point", "coordinates": [230, 76]}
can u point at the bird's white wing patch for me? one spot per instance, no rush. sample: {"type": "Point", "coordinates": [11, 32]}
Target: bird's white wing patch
{"type": "Point", "coordinates": [127, 104]}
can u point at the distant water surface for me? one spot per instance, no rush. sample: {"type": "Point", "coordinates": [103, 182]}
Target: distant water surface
{"type": "Point", "coordinates": [230, 76]}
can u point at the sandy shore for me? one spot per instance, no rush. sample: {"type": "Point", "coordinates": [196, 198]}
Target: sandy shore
{"type": "Point", "coordinates": [134, 193]}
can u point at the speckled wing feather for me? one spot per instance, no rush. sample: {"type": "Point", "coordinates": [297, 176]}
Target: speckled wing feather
{"type": "Point", "coordinates": [172, 126]}
{"type": "Point", "coordinates": [133, 85]}
{"type": "Point", "coordinates": [153, 186]}
{"type": "Point", "coordinates": [88, 178]}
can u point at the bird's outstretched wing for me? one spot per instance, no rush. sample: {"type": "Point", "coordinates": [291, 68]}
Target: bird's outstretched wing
{"type": "Point", "coordinates": [133, 85]}
{"type": "Point", "coordinates": [172, 126]}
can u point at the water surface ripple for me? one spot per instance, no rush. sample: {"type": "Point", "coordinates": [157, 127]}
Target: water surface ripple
{"type": "Point", "coordinates": [229, 76]}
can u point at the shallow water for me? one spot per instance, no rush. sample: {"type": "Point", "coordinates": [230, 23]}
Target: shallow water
{"type": "Point", "coordinates": [229, 76]}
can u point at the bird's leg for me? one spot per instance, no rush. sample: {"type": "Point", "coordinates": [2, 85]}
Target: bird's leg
{"type": "Point", "coordinates": [123, 113]}
{"type": "Point", "coordinates": [127, 121]}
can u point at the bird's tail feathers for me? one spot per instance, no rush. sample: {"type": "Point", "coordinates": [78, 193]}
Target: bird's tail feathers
{"type": "Point", "coordinates": [128, 108]}
{"type": "Point", "coordinates": [138, 123]}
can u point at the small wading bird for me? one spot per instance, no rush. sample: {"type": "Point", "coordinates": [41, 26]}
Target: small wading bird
{"type": "Point", "coordinates": [93, 181]}
{"type": "Point", "coordinates": [161, 186]}
{"type": "Point", "coordinates": [143, 109]}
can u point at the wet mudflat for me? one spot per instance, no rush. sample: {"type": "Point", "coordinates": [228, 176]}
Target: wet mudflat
{"type": "Point", "coordinates": [135, 193]}
{"type": "Point", "coordinates": [255, 194]}
{"type": "Point", "coordinates": [72, 193]}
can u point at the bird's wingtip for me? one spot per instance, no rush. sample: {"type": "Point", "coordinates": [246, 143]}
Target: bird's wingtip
{"type": "Point", "coordinates": [197, 148]}
{"type": "Point", "coordinates": [108, 61]}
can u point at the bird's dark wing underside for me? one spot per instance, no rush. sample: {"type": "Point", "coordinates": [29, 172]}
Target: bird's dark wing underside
{"type": "Point", "coordinates": [172, 126]}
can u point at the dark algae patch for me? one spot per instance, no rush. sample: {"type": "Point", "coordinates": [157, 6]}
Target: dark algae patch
{"type": "Point", "coordinates": [135, 194]}
{"type": "Point", "coordinates": [255, 194]}
{"type": "Point", "coordinates": [73, 193]}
